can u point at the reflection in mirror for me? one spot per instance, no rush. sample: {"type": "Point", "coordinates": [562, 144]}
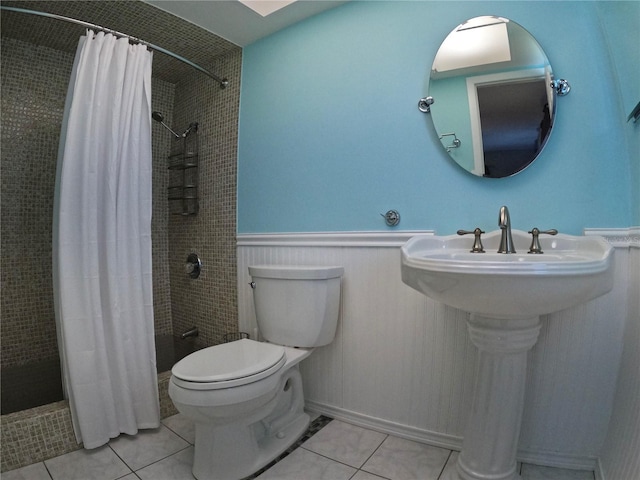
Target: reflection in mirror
{"type": "Point", "coordinates": [492, 86]}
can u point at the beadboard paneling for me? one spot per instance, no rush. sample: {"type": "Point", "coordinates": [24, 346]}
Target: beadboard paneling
{"type": "Point", "coordinates": [403, 363]}
{"type": "Point", "coordinates": [620, 459]}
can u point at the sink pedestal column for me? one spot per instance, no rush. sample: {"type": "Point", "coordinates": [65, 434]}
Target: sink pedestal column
{"type": "Point", "coordinates": [493, 428]}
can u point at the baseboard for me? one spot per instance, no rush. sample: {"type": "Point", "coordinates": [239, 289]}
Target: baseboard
{"type": "Point", "coordinates": [451, 442]}
{"type": "Point", "coordinates": [385, 426]}
{"type": "Point", "coordinates": [557, 460]}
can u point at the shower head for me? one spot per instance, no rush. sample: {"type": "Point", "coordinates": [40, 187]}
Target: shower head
{"type": "Point", "coordinates": [158, 117]}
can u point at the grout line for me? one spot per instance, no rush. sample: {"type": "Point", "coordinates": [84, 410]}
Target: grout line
{"type": "Point", "coordinates": [372, 454]}
{"type": "Point", "coordinates": [48, 471]}
{"type": "Point", "coordinates": [445, 465]}
{"type": "Point", "coordinates": [156, 461]}
{"type": "Point", "coordinates": [369, 473]}
{"type": "Point", "coordinates": [120, 458]}
{"type": "Point", "coordinates": [161, 459]}
{"type": "Point", "coordinates": [178, 434]}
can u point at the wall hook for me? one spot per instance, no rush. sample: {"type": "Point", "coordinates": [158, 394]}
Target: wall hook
{"type": "Point", "coordinates": [391, 218]}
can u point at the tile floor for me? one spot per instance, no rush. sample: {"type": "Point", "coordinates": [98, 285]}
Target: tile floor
{"type": "Point", "coordinates": [339, 451]}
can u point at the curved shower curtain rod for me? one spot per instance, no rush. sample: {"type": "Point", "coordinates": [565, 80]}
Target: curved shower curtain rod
{"type": "Point", "coordinates": [222, 81]}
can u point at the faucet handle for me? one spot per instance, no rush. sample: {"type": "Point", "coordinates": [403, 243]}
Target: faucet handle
{"type": "Point", "coordinates": [477, 241]}
{"type": "Point", "coordinates": [535, 242]}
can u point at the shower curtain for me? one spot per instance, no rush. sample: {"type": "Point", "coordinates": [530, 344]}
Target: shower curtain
{"type": "Point", "coordinates": [102, 242]}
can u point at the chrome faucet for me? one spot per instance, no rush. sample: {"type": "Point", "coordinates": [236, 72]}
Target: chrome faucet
{"type": "Point", "coordinates": [504, 222]}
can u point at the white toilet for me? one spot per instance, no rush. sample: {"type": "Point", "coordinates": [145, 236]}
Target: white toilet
{"type": "Point", "coordinates": [245, 397]}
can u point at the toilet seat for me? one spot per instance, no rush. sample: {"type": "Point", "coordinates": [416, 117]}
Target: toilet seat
{"type": "Point", "coordinates": [228, 365]}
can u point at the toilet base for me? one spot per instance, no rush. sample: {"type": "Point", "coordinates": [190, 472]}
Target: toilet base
{"type": "Point", "coordinates": [232, 452]}
{"type": "Point", "coordinates": [235, 450]}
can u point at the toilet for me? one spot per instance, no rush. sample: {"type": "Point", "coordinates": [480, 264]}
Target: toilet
{"type": "Point", "coordinates": [245, 397]}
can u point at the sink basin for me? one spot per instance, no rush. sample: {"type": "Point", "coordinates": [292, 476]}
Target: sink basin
{"type": "Point", "coordinates": [505, 293]}
{"type": "Point", "coordinates": [572, 270]}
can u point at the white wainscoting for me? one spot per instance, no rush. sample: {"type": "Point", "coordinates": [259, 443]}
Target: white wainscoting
{"type": "Point", "coordinates": [620, 456]}
{"type": "Point", "coordinates": [403, 363]}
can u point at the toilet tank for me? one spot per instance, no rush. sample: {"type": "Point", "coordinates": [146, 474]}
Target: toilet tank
{"type": "Point", "coordinates": [297, 306]}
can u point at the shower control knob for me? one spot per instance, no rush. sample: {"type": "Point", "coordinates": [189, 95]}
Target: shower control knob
{"type": "Point", "coordinates": [193, 266]}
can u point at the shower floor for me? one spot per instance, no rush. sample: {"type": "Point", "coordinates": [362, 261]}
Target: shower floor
{"type": "Point", "coordinates": [40, 383]}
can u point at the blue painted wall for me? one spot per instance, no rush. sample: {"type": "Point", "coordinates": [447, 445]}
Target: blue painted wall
{"type": "Point", "coordinates": [622, 35]}
{"type": "Point", "coordinates": [331, 136]}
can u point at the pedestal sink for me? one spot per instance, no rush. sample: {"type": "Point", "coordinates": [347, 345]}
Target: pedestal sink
{"type": "Point", "coordinates": [505, 294]}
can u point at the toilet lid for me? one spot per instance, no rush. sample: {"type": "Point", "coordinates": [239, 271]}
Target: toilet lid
{"type": "Point", "coordinates": [243, 359]}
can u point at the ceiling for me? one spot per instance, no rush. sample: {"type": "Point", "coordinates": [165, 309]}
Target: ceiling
{"type": "Point", "coordinates": [236, 22]}
{"type": "Point", "coordinates": [199, 30]}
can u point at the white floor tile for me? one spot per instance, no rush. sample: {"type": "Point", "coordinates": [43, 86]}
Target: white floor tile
{"type": "Point", "coordinates": [182, 426]}
{"type": "Point", "coordinates": [401, 459]}
{"type": "Point", "coordinates": [345, 443]}
{"type": "Point", "coordinates": [37, 471]}
{"type": "Point", "coordinates": [162, 454]}
{"type": "Point", "coordinates": [535, 472]}
{"type": "Point", "coordinates": [147, 446]}
{"type": "Point", "coordinates": [303, 464]}
{"type": "Point", "coordinates": [175, 467]}
{"type": "Point", "coordinates": [96, 464]}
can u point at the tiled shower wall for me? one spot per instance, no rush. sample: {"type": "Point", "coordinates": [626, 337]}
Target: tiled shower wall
{"type": "Point", "coordinates": [209, 302]}
{"type": "Point", "coordinates": [34, 87]}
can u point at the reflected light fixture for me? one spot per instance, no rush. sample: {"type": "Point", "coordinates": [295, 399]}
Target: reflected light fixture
{"type": "Point", "coordinates": [479, 41]}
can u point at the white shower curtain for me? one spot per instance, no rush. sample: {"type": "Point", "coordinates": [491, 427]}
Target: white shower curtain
{"type": "Point", "coordinates": [102, 242]}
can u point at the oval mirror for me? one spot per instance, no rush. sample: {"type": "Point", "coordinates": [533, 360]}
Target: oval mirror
{"type": "Point", "coordinates": [493, 96]}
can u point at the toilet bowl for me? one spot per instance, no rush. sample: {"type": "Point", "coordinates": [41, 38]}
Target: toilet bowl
{"type": "Point", "coordinates": [246, 397]}
{"type": "Point", "coordinates": [246, 400]}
